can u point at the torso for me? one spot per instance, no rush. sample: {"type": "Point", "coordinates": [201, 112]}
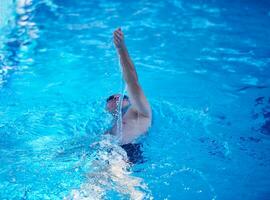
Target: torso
{"type": "Point", "coordinates": [133, 126]}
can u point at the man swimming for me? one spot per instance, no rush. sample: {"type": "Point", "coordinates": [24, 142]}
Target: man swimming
{"type": "Point", "coordinates": [136, 110]}
{"type": "Point", "coordinates": [110, 171]}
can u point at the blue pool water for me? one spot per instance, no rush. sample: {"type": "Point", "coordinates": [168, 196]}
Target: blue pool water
{"type": "Point", "coordinates": [204, 66]}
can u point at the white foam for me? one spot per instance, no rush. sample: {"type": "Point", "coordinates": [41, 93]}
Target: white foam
{"type": "Point", "coordinates": [109, 170]}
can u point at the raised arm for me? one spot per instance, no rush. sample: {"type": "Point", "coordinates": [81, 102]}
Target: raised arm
{"type": "Point", "coordinates": [135, 92]}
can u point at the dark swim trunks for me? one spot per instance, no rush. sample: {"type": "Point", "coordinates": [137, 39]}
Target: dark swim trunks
{"type": "Point", "coordinates": [134, 153]}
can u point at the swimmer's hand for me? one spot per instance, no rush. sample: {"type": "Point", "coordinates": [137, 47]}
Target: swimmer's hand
{"type": "Point", "coordinates": [118, 39]}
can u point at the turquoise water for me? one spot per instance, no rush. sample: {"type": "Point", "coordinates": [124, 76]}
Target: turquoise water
{"type": "Point", "coordinates": [204, 66]}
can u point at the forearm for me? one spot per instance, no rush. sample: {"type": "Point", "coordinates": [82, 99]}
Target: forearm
{"type": "Point", "coordinates": [129, 71]}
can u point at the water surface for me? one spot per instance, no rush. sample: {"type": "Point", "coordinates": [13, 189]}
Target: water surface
{"type": "Point", "coordinates": [204, 66]}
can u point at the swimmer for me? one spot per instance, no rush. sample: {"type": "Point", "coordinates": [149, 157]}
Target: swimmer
{"type": "Point", "coordinates": [136, 110]}
{"type": "Point", "coordinates": [110, 171]}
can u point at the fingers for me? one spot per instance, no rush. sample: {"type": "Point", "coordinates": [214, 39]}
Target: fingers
{"type": "Point", "coordinates": [117, 42]}
{"type": "Point", "coordinates": [118, 30]}
{"type": "Point", "coordinates": [118, 34]}
{"type": "Point", "coordinates": [118, 37]}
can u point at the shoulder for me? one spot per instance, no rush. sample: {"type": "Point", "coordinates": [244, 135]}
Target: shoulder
{"type": "Point", "coordinates": [132, 116]}
{"type": "Point", "coordinates": [133, 113]}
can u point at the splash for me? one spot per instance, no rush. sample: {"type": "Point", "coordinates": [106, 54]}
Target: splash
{"type": "Point", "coordinates": [120, 113]}
{"type": "Point", "coordinates": [109, 171]}
{"type": "Point", "coordinates": [119, 124]}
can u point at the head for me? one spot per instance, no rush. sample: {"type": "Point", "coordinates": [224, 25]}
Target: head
{"type": "Point", "coordinates": [113, 103]}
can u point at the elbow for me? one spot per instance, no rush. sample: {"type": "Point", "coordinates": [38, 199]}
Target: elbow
{"type": "Point", "coordinates": [148, 113]}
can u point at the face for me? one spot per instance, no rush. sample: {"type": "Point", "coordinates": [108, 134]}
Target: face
{"type": "Point", "coordinates": [112, 104]}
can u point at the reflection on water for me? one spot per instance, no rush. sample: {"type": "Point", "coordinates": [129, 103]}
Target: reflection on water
{"type": "Point", "coordinates": [16, 53]}
{"type": "Point", "coordinates": [261, 115]}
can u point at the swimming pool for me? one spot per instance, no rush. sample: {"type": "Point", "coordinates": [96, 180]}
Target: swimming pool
{"type": "Point", "coordinates": [204, 66]}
